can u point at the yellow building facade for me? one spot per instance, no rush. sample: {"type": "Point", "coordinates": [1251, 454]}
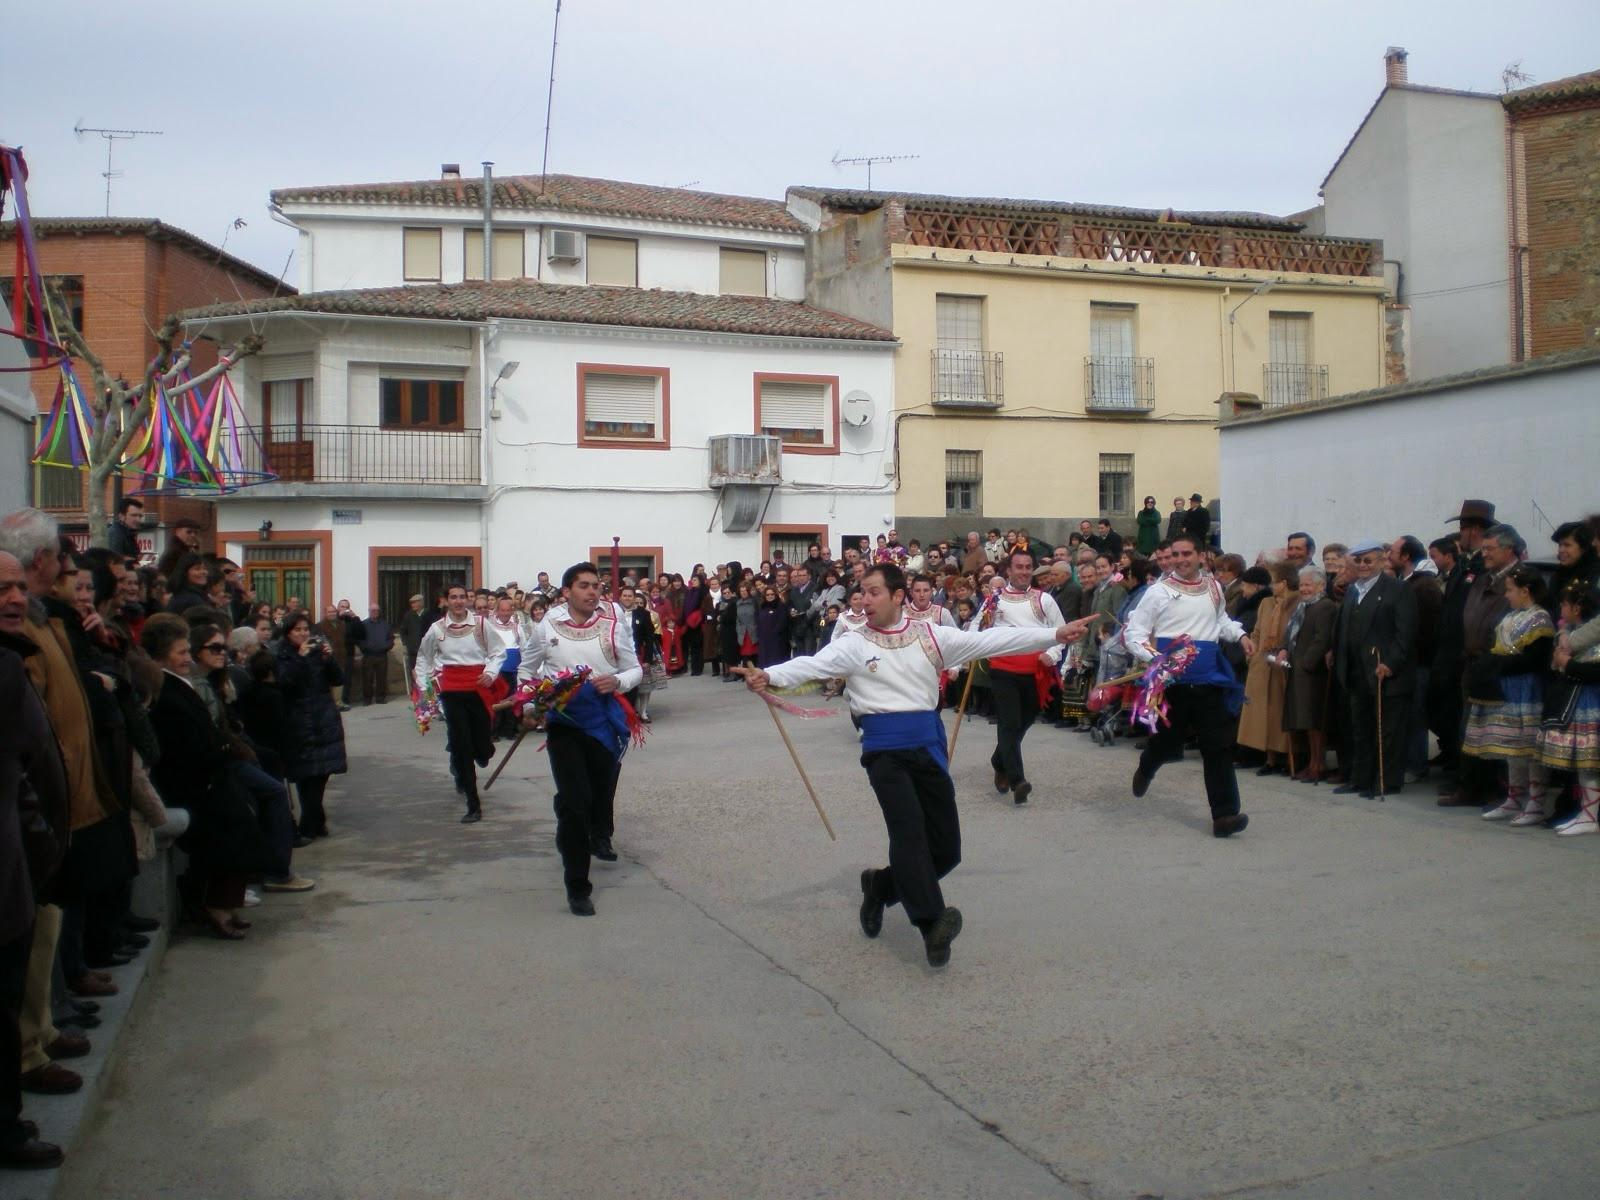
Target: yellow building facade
{"type": "Point", "coordinates": [1058, 362]}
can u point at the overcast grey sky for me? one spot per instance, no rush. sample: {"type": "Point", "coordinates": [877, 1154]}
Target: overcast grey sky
{"type": "Point", "coordinates": [1236, 105]}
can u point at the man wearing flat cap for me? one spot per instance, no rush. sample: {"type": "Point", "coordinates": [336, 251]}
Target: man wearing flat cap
{"type": "Point", "coordinates": [1197, 521]}
{"type": "Point", "coordinates": [1375, 651]}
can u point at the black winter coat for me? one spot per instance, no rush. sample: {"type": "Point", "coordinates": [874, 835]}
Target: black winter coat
{"type": "Point", "coordinates": [316, 733]}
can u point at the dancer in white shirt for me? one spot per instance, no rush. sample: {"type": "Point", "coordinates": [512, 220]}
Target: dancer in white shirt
{"type": "Point", "coordinates": [892, 665]}
{"type": "Point", "coordinates": [1207, 697]}
{"type": "Point", "coordinates": [920, 605]}
{"type": "Point", "coordinates": [1017, 679]}
{"type": "Point", "coordinates": [589, 736]}
{"type": "Point", "coordinates": [460, 653]}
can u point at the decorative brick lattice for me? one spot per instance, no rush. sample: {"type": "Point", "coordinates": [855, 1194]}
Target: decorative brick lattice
{"type": "Point", "coordinates": [999, 235]}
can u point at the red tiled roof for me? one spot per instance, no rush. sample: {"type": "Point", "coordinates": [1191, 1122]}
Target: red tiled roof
{"type": "Point", "coordinates": [1557, 91]}
{"type": "Point", "coordinates": [853, 200]}
{"type": "Point", "coordinates": [157, 231]}
{"type": "Point", "coordinates": [528, 300]}
{"type": "Point", "coordinates": [559, 193]}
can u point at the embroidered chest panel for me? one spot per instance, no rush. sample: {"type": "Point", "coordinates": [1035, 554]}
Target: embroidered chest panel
{"type": "Point", "coordinates": [600, 629]}
{"type": "Point", "coordinates": [1032, 598]}
{"type": "Point", "coordinates": [915, 633]}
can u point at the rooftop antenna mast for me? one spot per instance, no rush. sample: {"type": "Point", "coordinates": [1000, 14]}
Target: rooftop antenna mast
{"type": "Point", "coordinates": [549, 98]}
{"type": "Point", "coordinates": [112, 137]}
{"type": "Point", "coordinates": [867, 161]}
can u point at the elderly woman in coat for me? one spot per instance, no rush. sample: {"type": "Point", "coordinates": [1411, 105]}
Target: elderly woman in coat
{"type": "Point", "coordinates": [1309, 638]}
{"type": "Point", "coordinates": [1261, 724]}
{"type": "Point", "coordinates": [307, 673]}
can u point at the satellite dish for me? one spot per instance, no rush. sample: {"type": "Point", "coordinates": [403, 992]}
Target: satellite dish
{"type": "Point", "coordinates": [857, 408]}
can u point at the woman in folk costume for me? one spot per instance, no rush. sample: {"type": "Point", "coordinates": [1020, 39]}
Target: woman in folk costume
{"type": "Point", "coordinates": [893, 665]}
{"type": "Point", "coordinates": [1307, 642]}
{"type": "Point", "coordinates": [1505, 698]}
{"type": "Point", "coordinates": [1569, 736]}
{"type": "Point", "coordinates": [1266, 680]}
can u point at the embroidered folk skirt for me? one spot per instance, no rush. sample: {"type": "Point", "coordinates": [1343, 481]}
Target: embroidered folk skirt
{"type": "Point", "coordinates": [1509, 729]}
{"type": "Point", "coordinates": [1574, 745]}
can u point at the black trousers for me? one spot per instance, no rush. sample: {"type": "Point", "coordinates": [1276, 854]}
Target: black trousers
{"type": "Point", "coordinates": [919, 808]}
{"type": "Point", "coordinates": [586, 790]}
{"type": "Point", "coordinates": [313, 816]}
{"type": "Point", "coordinates": [375, 678]}
{"type": "Point", "coordinates": [1363, 733]}
{"type": "Point", "coordinates": [1203, 710]}
{"type": "Point", "coordinates": [467, 721]}
{"type": "Point", "coordinates": [694, 647]}
{"type": "Point", "coordinates": [1016, 707]}
{"type": "Point", "coordinates": [13, 970]}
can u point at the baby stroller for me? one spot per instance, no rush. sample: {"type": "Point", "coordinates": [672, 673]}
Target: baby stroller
{"type": "Point", "coordinates": [1110, 701]}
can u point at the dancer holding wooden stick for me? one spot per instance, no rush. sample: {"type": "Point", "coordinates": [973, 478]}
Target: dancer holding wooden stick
{"type": "Point", "coordinates": [892, 666]}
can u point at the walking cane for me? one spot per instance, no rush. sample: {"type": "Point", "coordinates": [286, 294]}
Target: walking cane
{"type": "Point", "coordinates": [1380, 788]}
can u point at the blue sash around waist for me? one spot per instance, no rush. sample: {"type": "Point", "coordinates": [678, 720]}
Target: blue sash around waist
{"type": "Point", "coordinates": [512, 661]}
{"type": "Point", "coordinates": [601, 717]}
{"type": "Point", "coordinates": [1209, 669]}
{"type": "Point", "coordinates": [905, 731]}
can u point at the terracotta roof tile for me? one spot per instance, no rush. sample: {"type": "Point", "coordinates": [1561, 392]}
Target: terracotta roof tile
{"type": "Point", "coordinates": [528, 300]}
{"type": "Point", "coordinates": [1557, 91]}
{"type": "Point", "coordinates": [559, 193]}
{"type": "Point", "coordinates": [160, 231]}
{"type": "Point", "coordinates": [852, 200]}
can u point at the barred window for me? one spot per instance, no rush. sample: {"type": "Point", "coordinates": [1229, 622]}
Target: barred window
{"type": "Point", "coordinates": [963, 482]}
{"type": "Point", "coordinates": [1116, 484]}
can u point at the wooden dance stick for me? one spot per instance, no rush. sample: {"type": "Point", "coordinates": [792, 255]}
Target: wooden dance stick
{"type": "Point", "coordinates": [1379, 788]}
{"type": "Point", "coordinates": [804, 778]}
{"type": "Point", "coordinates": [966, 690]}
{"type": "Point", "coordinates": [521, 733]}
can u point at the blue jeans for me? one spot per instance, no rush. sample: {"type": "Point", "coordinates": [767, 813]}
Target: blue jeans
{"type": "Point", "coordinates": [272, 810]}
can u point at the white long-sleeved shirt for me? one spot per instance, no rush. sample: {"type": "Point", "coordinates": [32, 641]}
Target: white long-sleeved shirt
{"type": "Point", "coordinates": [603, 643]}
{"type": "Point", "coordinates": [848, 622]}
{"type": "Point", "coordinates": [468, 643]}
{"type": "Point", "coordinates": [897, 670]}
{"type": "Point", "coordinates": [1031, 609]}
{"type": "Point", "coordinates": [513, 633]}
{"type": "Point", "coordinates": [1171, 607]}
{"type": "Point", "coordinates": [934, 614]}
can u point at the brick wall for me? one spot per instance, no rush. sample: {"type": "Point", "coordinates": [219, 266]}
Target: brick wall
{"type": "Point", "coordinates": [1561, 163]}
{"type": "Point", "coordinates": [130, 283]}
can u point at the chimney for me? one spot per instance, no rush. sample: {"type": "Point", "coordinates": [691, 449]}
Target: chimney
{"type": "Point", "coordinates": [449, 170]}
{"type": "Point", "coordinates": [1394, 66]}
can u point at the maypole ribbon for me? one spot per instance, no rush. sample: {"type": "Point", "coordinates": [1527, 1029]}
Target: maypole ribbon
{"type": "Point", "coordinates": [793, 709]}
{"type": "Point", "coordinates": [1150, 705]}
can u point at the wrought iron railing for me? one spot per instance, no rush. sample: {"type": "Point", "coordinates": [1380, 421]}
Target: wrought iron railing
{"type": "Point", "coordinates": [1293, 383]}
{"type": "Point", "coordinates": [367, 454]}
{"type": "Point", "coordinates": [1112, 384]}
{"type": "Point", "coordinates": [968, 378]}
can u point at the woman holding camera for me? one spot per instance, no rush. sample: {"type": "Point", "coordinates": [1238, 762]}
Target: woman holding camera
{"type": "Point", "coordinates": [307, 673]}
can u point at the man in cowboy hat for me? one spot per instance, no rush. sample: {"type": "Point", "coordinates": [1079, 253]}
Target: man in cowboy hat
{"type": "Point", "coordinates": [1445, 704]}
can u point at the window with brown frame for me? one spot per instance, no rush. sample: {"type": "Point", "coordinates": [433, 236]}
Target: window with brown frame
{"type": "Point", "coordinates": [420, 403]}
{"type": "Point", "coordinates": [68, 287]}
{"type": "Point", "coordinates": [623, 405]}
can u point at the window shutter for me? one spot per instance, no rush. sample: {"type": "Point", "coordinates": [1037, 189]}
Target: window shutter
{"type": "Point", "coordinates": [1289, 338]}
{"type": "Point", "coordinates": [613, 261]}
{"type": "Point", "coordinates": [422, 249]}
{"type": "Point", "coordinates": [786, 405]}
{"type": "Point", "coordinates": [508, 252]}
{"type": "Point", "coordinates": [287, 366]}
{"type": "Point", "coordinates": [744, 272]}
{"type": "Point", "coordinates": [620, 399]}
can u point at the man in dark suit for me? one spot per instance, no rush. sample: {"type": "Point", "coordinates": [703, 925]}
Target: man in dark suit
{"type": "Point", "coordinates": [1376, 653]}
{"type": "Point", "coordinates": [1197, 520]}
{"type": "Point", "coordinates": [1408, 559]}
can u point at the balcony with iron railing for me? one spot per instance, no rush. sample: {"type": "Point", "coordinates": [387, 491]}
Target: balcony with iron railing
{"type": "Point", "coordinates": [1113, 385]}
{"type": "Point", "coordinates": [968, 379]}
{"type": "Point", "coordinates": [1285, 384]}
{"type": "Point", "coordinates": [365, 454]}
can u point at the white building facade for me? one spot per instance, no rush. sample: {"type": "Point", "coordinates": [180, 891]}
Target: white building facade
{"type": "Point", "coordinates": [436, 429]}
{"type": "Point", "coordinates": [1401, 459]}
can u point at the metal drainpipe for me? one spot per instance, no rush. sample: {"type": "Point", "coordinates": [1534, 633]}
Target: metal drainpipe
{"type": "Point", "coordinates": [483, 360]}
{"type": "Point", "coordinates": [488, 220]}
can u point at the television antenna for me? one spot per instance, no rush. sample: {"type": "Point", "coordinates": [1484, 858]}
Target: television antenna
{"type": "Point", "coordinates": [112, 137]}
{"type": "Point", "coordinates": [867, 161]}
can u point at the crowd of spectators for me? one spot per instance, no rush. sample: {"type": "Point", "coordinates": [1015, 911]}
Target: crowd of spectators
{"type": "Point", "coordinates": [144, 705]}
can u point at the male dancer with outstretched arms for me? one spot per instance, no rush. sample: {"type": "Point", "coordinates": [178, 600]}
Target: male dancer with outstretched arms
{"type": "Point", "coordinates": [1014, 679]}
{"type": "Point", "coordinates": [464, 656]}
{"type": "Point", "coordinates": [892, 665]}
{"type": "Point", "coordinates": [1206, 698]}
{"type": "Point", "coordinates": [587, 737]}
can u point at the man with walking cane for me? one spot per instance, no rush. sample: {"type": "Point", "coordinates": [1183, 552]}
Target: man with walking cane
{"type": "Point", "coordinates": [1375, 660]}
{"type": "Point", "coordinates": [590, 731]}
{"type": "Point", "coordinates": [892, 665]}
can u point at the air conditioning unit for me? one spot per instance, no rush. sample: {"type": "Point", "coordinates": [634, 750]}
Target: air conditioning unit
{"type": "Point", "coordinates": [745, 458]}
{"type": "Point", "coordinates": [565, 246]}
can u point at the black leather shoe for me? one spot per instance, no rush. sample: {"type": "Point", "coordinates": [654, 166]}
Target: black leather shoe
{"type": "Point", "coordinates": [135, 941]}
{"type": "Point", "coordinates": [600, 847]}
{"type": "Point", "coordinates": [871, 906]}
{"type": "Point", "coordinates": [1228, 826]}
{"type": "Point", "coordinates": [1349, 789]}
{"type": "Point", "coordinates": [78, 1020]}
{"type": "Point", "coordinates": [140, 924]}
{"type": "Point", "coordinates": [1021, 790]}
{"type": "Point", "coordinates": [33, 1155]}
{"type": "Point", "coordinates": [84, 1006]}
{"type": "Point", "coordinates": [1001, 783]}
{"type": "Point", "coordinates": [101, 961]}
{"type": "Point", "coordinates": [301, 841]}
{"type": "Point", "coordinates": [1141, 781]}
{"type": "Point", "coordinates": [580, 906]}
{"type": "Point", "coordinates": [472, 816]}
{"type": "Point", "coordinates": [939, 936]}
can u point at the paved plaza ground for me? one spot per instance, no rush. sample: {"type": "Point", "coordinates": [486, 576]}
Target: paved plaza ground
{"type": "Point", "coordinates": [1352, 999]}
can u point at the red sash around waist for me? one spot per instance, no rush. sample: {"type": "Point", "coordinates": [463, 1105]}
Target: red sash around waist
{"type": "Point", "coordinates": [458, 677]}
{"type": "Point", "coordinates": [1014, 664]}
